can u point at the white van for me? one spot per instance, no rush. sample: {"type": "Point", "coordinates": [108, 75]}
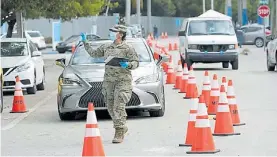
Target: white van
{"type": "Point", "coordinates": [209, 38]}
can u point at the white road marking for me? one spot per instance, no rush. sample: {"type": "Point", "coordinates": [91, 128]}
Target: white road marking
{"type": "Point", "coordinates": [24, 115]}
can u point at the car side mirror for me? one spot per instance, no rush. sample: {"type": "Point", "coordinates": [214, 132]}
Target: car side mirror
{"type": "Point", "coordinates": [36, 54]}
{"type": "Point", "coordinates": [181, 33]}
{"type": "Point", "coordinates": [162, 59]}
{"type": "Point", "coordinates": [61, 62]}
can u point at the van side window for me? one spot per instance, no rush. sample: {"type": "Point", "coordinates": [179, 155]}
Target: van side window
{"type": "Point", "coordinates": [186, 28]}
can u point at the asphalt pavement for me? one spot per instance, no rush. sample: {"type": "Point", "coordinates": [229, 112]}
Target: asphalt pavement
{"type": "Point", "coordinates": [40, 132]}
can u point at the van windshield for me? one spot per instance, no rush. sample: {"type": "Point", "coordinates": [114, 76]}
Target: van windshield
{"type": "Point", "coordinates": [211, 27]}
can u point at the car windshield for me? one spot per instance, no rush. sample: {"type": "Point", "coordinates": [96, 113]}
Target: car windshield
{"type": "Point", "coordinates": [72, 38]}
{"type": "Point", "coordinates": [81, 57]}
{"type": "Point", "coordinates": [211, 27]}
{"type": "Point", "coordinates": [34, 34]}
{"type": "Point", "coordinates": [129, 33]}
{"type": "Point", "coordinates": [92, 37]}
{"type": "Point", "coordinates": [13, 49]}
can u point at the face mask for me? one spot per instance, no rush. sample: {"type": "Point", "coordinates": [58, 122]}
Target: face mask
{"type": "Point", "coordinates": [112, 36]}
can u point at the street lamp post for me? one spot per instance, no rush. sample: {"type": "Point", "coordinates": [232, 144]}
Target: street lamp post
{"type": "Point", "coordinates": [138, 12]}
{"type": "Point", "coordinates": [128, 11]}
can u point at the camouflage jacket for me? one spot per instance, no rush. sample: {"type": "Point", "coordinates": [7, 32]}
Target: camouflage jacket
{"type": "Point", "coordinates": [123, 50]}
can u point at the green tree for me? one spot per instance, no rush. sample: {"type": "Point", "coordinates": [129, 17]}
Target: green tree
{"type": "Point", "coordinates": [64, 9]}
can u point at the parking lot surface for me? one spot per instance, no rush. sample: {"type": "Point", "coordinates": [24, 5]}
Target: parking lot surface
{"type": "Point", "coordinates": [40, 132]}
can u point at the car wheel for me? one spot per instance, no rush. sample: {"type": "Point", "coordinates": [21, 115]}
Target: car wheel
{"type": "Point", "coordinates": [182, 61]}
{"type": "Point", "coordinates": [160, 112]}
{"type": "Point", "coordinates": [235, 64]}
{"type": "Point", "coordinates": [66, 116]}
{"type": "Point", "coordinates": [41, 86]}
{"type": "Point", "coordinates": [270, 67]}
{"type": "Point", "coordinates": [259, 42]}
{"type": "Point", "coordinates": [225, 64]}
{"type": "Point", "coordinates": [33, 90]}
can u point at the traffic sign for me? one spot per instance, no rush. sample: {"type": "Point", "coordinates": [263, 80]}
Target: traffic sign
{"type": "Point", "coordinates": [263, 11]}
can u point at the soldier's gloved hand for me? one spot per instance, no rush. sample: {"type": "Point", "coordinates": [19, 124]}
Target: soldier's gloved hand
{"type": "Point", "coordinates": [83, 37]}
{"type": "Point", "coordinates": [124, 64]}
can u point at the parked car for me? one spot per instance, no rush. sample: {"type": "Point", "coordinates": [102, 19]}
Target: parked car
{"type": "Point", "coordinates": [37, 38]}
{"type": "Point", "coordinates": [20, 56]}
{"type": "Point", "coordinates": [81, 82]}
{"type": "Point", "coordinates": [73, 40]}
{"type": "Point", "coordinates": [271, 53]}
{"type": "Point", "coordinates": [254, 34]}
{"type": "Point", "coordinates": [34, 36]}
{"type": "Point", "coordinates": [1, 90]}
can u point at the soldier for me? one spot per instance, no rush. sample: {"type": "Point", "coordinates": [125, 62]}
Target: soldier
{"type": "Point", "coordinates": [117, 84]}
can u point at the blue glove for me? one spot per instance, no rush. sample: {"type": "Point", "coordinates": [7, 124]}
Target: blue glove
{"type": "Point", "coordinates": [124, 64]}
{"type": "Point", "coordinates": [83, 37]}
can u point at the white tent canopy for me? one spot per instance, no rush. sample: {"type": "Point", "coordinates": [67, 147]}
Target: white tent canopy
{"type": "Point", "coordinates": [212, 13]}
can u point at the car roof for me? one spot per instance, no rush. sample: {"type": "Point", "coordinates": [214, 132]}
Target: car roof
{"type": "Point", "coordinates": [207, 18]}
{"type": "Point", "coordinates": [14, 40]}
{"type": "Point", "coordinates": [32, 31]}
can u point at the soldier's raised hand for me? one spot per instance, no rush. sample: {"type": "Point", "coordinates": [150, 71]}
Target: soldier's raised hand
{"type": "Point", "coordinates": [83, 37]}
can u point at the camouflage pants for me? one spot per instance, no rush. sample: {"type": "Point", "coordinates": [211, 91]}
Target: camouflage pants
{"type": "Point", "coordinates": [116, 96]}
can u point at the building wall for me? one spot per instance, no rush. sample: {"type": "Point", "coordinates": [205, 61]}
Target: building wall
{"type": "Point", "coordinates": [76, 26]}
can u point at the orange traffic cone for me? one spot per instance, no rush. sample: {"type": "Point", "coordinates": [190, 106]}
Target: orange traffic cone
{"type": "Point", "coordinates": [206, 90]}
{"type": "Point", "coordinates": [19, 105]}
{"type": "Point", "coordinates": [191, 123]}
{"type": "Point", "coordinates": [185, 77]}
{"type": "Point", "coordinates": [214, 97]}
{"type": "Point", "coordinates": [170, 47]}
{"type": "Point", "coordinates": [165, 35]}
{"type": "Point", "coordinates": [224, 82]}
{"type": "Point", "coordinates": [203, 141]}
{"type": "Point", "coordinates": [223, 123]}
{"type": "Point", "coordinates": [170, 74]}
{"type": "Point", "coordinates": [178, 76]}
{"type": "Point", "coordinates": [73, 48]}
{"type": "Point", "coordinates": [175, 46]}
{"type": "Point", "coordinates": [191, 88]}
{"type": "Point", "coordinates": [233, 104]}
{"type": "Point", "coordinates": [156, 55]}
{"type": "Point", "coordinates": [167, 64]}
{"type": "Point", "coordinates": [92, 142]}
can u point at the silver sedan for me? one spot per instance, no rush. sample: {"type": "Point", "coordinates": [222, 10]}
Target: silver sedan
{"type": "Point", "coordinates": [81, 82]}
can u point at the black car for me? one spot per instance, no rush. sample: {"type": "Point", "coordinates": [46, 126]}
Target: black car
{"type": "Point", "coordinates": [73, 40]}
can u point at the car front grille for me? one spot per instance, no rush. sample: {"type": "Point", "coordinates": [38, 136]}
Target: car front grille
{"type": "Point", "coordinates": [95, 96]}
{"type": "Point", "coordinates": [213, 48]}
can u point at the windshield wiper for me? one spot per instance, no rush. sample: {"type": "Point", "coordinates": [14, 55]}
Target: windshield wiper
{"type": "Point", "coordinates": [199, 34]}
{"type": "Point", "coordinates": [219, 33]}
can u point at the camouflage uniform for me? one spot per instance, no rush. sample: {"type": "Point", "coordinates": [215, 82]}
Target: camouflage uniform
{"type": "Point", "coordinates": [117, 84]}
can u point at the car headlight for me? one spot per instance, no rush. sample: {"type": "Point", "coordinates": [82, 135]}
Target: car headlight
{"type": "Point", "coordinates": [231, 47]}
{"type": "Point", "coordinates": [70, 82]}
{"type": "Point", "coordinates": [148, 79]}
{"type": "Point", "coordinates": [23, 67]}
{"type": "Point", "coordinates": [192, 46]}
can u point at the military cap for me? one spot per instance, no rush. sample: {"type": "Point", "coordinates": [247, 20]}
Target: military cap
{"type": "Point", "coordinates": [119, 28]}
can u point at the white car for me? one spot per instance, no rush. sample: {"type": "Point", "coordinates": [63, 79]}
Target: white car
{"type": "Point", "coordinates": [19, 56]}
{"type": "Point", "coordinates": [37, 38]}
{"type": "Point", "coordinates": [34, 36]}
{"type": "Point", "coordinates": [271, 52]}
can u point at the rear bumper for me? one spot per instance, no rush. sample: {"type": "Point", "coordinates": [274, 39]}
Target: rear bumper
{"type": "Point", "coordinates": [63, 48]}
{"type": "Point", "coordinates": [212, 57]}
